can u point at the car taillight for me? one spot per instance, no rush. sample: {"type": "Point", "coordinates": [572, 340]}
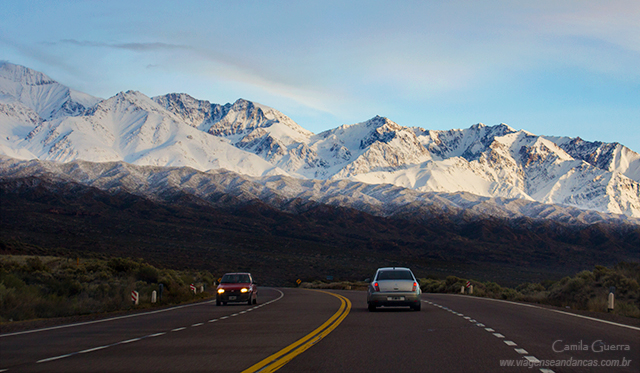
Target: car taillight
{"type": "Point", "coordinates": [376, 287]}
{"type": "Point", "coordinates": [414, 286]}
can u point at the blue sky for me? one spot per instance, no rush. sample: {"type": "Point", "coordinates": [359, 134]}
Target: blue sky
{"type": "Point", "coordinates": [564, 68]}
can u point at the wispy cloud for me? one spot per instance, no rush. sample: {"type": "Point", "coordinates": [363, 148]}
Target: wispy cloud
{"type": "Point", "coordinates": [138, 47]}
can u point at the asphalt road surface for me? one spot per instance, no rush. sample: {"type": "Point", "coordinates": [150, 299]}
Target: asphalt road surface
{"type": "Point", "coordinates": [298, 330]}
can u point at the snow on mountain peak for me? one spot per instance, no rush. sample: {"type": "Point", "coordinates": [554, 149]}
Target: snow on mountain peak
{"type": "Point", "coordinates": [23, 75]}
{"type": "Point", "coordinates": [40, 118]}
{"type": "Point", "coordinates": [36, 91]}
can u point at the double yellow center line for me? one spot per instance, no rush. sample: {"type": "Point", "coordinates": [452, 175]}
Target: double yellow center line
{"type": "Point", "coordinates": [280, 358]}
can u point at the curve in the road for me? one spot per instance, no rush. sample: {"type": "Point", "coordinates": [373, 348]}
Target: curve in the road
{"type": "Point", "coordinates": [282, 357]}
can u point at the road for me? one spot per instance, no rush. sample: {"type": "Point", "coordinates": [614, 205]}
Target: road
{"type": "Point", "coordinates": [298, 330]}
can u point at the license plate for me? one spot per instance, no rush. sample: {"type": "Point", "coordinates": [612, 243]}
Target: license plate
{"type": "Point", "coordinates": [232, 297]}
{"type": "Point", "coordinates": [395, 298]}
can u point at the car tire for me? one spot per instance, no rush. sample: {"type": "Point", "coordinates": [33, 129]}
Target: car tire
{"type": "Point", "coordinates": [217, 302]}
{"type": "Point", "coordinates": [372, 308]}
{"type": "Point", "coordinates": [417, 308]}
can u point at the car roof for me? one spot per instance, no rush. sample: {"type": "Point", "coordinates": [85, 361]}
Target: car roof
{"type": "Point", "coordinates": [393, 268]}
{"type": "Point", "coordinates": [237, 273]}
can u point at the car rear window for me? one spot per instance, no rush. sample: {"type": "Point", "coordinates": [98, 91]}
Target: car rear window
{"type": "Point", "coordinates": [395, 275]}
{"type": "Point", "coordinates": [235, 279]}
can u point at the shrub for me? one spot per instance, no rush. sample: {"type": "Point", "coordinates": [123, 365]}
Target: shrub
{"type": "Point", "coordinates": [35, 264]}
{"type": "Point", "coordinates": [148, 273]}
{"type": "Point", "coordinates": [122, 265]}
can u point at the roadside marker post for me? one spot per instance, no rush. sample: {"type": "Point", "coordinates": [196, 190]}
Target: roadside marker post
{"type": "Point", "coordinates": [154, 297]}
{"type": "Point", "coordinates": [612, 290]}
{"type": "Point", "coordinates": [610, 302]}
{"type": "Point", "coordinates": [193, 288]}
{"type": "Point", "coordinates": [135, 297]}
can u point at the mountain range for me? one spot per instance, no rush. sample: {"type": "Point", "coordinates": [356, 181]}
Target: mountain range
{"type": "Point", "coordinates": [158, 147]}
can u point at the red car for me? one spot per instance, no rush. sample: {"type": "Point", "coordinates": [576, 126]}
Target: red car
{"type": "Point", "coordinates": [237, 287]}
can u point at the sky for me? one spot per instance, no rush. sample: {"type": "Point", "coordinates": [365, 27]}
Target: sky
{"type": "Point", "coordinates": [557, 68]}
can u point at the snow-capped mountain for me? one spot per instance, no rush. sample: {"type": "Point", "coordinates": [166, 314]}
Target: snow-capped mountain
{"type": "Point", "coordinates": [40, 118]}
{"type": "Point", "coordinates": [27, 98]}
{"type": "Point", "coordinates": [223, 188]}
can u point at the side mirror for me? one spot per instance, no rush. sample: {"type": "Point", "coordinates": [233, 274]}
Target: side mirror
{"type": "Point", "coordinates": [367, 280]}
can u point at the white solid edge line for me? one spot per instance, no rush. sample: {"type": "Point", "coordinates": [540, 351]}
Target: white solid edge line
{"type": "Point", "coordinates": [546, 309]}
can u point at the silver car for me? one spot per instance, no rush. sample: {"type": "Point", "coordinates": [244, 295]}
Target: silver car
{"type": "Point", "coordinates": [393, 287]}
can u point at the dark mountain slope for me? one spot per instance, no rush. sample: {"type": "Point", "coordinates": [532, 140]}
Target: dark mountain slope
{"type": "Point", "coordinates": [280, 247]}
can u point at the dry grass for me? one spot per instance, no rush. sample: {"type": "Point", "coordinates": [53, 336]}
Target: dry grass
{"type": "Point", "coordinates": [34, 287]}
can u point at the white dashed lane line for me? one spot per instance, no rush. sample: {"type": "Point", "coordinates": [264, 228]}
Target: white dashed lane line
{"type": "Point", "coordinates": [150, 335]}
{"type": "Point", "coordinates": [92, 349]}
{"type": "Point", "coordinates": [98, 348]}
{"type": "Point", "coordinates": [521, 351]}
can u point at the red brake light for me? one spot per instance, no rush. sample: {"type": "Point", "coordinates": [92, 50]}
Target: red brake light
{"type": "Point", "coordinates": [375, 286]}
{"type": "Point", "coordinates": [414, 286]}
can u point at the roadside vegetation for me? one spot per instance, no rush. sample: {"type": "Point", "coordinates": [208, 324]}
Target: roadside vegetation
{"type": "Point", "coordinates": [587, 290]}
{"type": "Point", "coordinates": [39, 287]}
{"type": "Point", "coordinates": [34, 287]}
